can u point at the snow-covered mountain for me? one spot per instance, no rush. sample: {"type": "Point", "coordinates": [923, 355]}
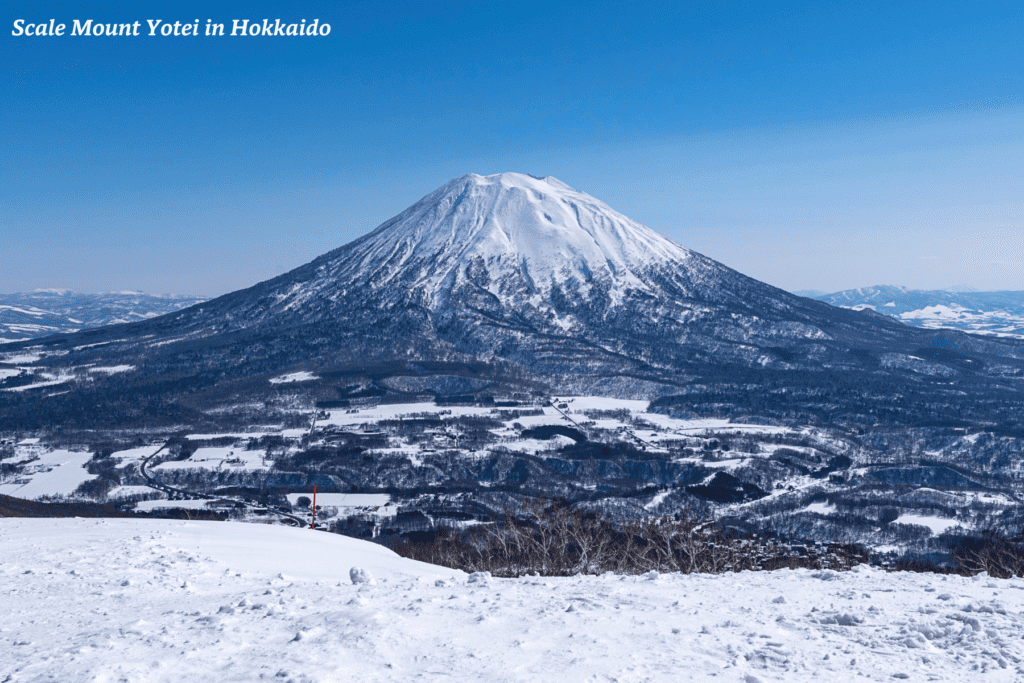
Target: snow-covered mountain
{"type": "Point", "coordinates": [998, 314]}
{"type": "Point", "coordinates": [512, 235]}
{"type": "Point", "coordinates": [510, 277]}
{"type": "Point", "coordinates": [530, 270]}
{"type": "Point", "coordinates": [508, 291]}
{"type": "Point", "coordinates": [27, 315]}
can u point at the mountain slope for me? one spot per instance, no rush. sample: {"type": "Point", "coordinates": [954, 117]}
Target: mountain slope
{"type": "Point", "coordinates": [518, 279]}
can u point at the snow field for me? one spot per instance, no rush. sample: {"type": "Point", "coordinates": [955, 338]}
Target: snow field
{"type": "Point", "coordinates": [53, 473]}
{"type": "Point", "coordinates": [112, 369]}
{"type": "Point", "coordinates": [18, 359]}
{"type": "Point", "coordinates": [64, 375]}
{"type": "Point", "coordinates": [270, 431]}
{"type": "Point", "coordinates": [820, 508]}
{"type": "Point", "coordinates": [573, 415]}
{"type": "Point", "coordinates": [151, 505]}
{"type": "Point", "coordinates": [219, 457]}
{"type": "Point", "coordinates": [127, 491]}
{"type": "Point", "coordinates": [344, 499]}
{"type": "Point", "coordinates": [394, 411]}
{"type": "Point", "coordinates": [936, 525]}
{"type": "Point", "coordinates": [303, 376]}
{"type": "Point", "coordinates": [153, 600]}
{"type": "Point", "coordinates": [49, 381]}
{"type": "Point", "coordinates": [134, 454]}
{"type": "Point", "coordinates": [335, 506]}
{"type": "Point", "coordinates": [60, 472]}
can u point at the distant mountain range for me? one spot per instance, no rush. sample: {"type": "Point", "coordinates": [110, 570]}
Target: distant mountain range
{"type": "Point", "coordinates": [28, 315]}
{"type": "Point", "coordinates": [507, 284]}
{"type": "Point", "coordinates": [992, 313]}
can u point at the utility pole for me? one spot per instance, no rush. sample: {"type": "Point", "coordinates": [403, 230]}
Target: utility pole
{"type": "Point", "coordinates": [312, 524]}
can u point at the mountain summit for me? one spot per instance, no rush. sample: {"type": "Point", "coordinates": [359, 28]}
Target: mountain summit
{"type": "Point", "coordinates": [498, 251]}
{"type": "Point", "coordinates": [528, 234]}
{"type": "Point", "coordinates": [506, 246]}
{"type": "Point", "coordinates": [522, 268]}
{"type": "Point", "coordinates": [513, 278]}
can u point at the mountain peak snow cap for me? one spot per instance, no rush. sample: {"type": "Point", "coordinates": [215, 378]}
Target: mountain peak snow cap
{"type": "Point", "coordinates": [520, 227]}
{"type": "Point", "coordinates": [520, 180]}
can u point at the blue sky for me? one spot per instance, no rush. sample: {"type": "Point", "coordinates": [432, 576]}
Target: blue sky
{"type": "Point", "coordinates": [819, 145]}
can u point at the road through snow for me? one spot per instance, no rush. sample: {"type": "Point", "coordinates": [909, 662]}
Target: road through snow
{"type": "Point", "coordinates": [167, 601]}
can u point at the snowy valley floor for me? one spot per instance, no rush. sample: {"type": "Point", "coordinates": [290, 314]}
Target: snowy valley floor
{"type": "Point", "coordinates": [152, 600]}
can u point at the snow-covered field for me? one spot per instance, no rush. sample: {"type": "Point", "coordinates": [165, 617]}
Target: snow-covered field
{"type": "Point", "coordinates": [125, 491]}
{"type": "Point", "coordinates": [219, 458]}
{"type": "Point", "coordinates": [48, 473]}
{"type": "Point", "coordinates": [112, 369]}
{"type": "Point", "coordinates": [151, 505]}
{"type": "Point", "coordinates": [294, 377]}
{"type": "Point", "coordinates": [156, 600]}
{"type": "Point", "coordinates": [937, 525]}
{"type": "Point", "coordinates": [345, 500]}
{"type": "Point", "coordinates": [997, 323]}
{"type": "Point", "coordinates": [575, 413]}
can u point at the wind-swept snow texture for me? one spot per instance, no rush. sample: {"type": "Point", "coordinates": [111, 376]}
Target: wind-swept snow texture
{"type": "Point", "coordinates": [151, 601]}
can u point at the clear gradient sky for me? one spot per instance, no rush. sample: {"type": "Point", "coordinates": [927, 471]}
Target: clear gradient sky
{"type": "Point", "coordinates": [812, 145]}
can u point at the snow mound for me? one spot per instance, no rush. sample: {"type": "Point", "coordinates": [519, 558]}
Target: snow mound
{"type": "Point", "coordinates": [359, 575]}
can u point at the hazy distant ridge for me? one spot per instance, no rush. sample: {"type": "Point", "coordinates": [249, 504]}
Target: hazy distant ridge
{"type": "Point", "coordinates": [993, 313]}
{"type": "Point", "coordinates": [27, 315]}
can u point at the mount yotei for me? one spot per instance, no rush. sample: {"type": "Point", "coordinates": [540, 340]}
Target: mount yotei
{"type": "Point", "coordinates": [506, 337]}
{"type": "Point", "coordinates": [510, 284]}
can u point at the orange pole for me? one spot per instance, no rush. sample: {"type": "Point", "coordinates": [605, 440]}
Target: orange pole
{"type": "Point", "coordinates": [313, 524]}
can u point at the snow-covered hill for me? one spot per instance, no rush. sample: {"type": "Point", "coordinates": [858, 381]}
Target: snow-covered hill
{"type": "Point", "coordinates": [999, 314]}
{"type": "Point", "coordinates": [160, 601]}
{"type": "Point", "coordinates": [28, 315]}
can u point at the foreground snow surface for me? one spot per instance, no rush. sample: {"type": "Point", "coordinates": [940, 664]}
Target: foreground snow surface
{"type": "Point", "coordinates": [155, 600]}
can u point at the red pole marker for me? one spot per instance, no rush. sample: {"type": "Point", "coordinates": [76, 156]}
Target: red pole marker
{"type": "Point", "coordinates": [313, 524]}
